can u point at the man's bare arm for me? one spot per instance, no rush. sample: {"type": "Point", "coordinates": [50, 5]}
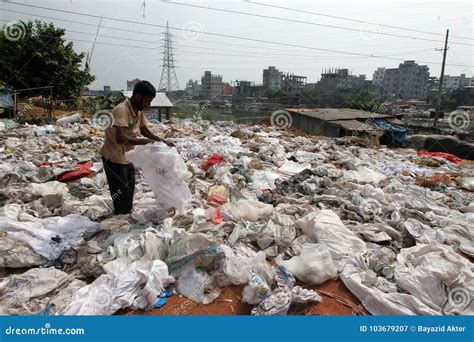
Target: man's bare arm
{"type": "Point", "coordinates": [147, 133]}
{"type": "Point", "coordinates": [123, 139]}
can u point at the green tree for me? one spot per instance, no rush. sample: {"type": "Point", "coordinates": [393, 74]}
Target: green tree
{"type": "Point", "coordinates": [365, 101]}
{"type": "Point", "coordinates": [34, 54]}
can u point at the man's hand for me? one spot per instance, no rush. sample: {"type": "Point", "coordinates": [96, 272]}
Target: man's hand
{"type": "Point", "coordinates": [146, 133]}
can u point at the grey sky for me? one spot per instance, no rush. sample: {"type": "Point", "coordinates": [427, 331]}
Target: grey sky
{"type": "Point", "coordinates": [244, 60]}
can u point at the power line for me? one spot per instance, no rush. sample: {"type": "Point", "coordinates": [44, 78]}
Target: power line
{"type": "Point", "coordinates": [226, 50]}
{"type": "Point", "coordinates": [225, 35]}
{"type": "Point", "coordinates": [352, 20]}
{"type": "Point", "coordinates": [303, 22]}
{"type": "Point", "coordinates": [177, 37]}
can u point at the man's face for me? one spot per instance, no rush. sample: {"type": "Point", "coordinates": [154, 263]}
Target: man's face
{"type": "Point", "coordinates": [143, 101]}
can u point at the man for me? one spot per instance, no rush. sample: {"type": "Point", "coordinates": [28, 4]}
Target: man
{"type": "Point", "coordinates": [121, 136]}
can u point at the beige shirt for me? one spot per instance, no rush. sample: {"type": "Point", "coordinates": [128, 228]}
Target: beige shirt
{"type": "Point", "coordinates": [123, 116]}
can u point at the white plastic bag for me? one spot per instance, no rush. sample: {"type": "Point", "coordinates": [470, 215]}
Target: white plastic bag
{"type": "Point", "coordinates": [125, 284]}
{"type": "Point", "coordinates": [247, 210]}
{"type": "Point", "coordinates": [325, 226]}
{"type": "Point", "coordinates": [197, 285]}
{"type": "Point", "coordinates": [165, 171]}
{"type": "Point", "coordinates": [63, 121]}
{"type": "Point", "coordinates": [314, 265]}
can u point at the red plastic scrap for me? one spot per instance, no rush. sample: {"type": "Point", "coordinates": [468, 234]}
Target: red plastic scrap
{"type": "Point", "coordinates": [448, 156]}
{"type": "Point", "coordinates": [213, 160]}
{"type": "Point", "coordinates": [84, 169]}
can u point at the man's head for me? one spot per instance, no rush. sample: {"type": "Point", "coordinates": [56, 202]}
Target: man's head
{"type": "Point", "coordinates": [143, 94]}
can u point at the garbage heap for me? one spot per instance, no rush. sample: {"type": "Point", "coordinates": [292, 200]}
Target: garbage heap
{"type": "Point", "coordinates": [231, 205]}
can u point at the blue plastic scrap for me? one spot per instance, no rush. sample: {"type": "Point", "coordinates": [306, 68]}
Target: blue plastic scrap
{"type": "Point", "coordinates": [163, 298]}
{"type": "Point", "coordinates": [396, 132]}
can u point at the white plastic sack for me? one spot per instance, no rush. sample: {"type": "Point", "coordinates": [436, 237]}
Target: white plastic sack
{"type": "Point", "coordinates": [438, 277]}
{"type": "Point", "coordinates": [17, 254]}
{"type": "Point", "coordinates": [280, 230]}
{"type": "Point", "coordinates": [18, 290]}
{"type": "Point", "coordinates": [146, 245]}
{"type": "Point", "coordinates": [237, 269]}
{"type": "Point", "coordinates": [165, 172]}
{"type": "Point", "coordinates": [290, 167]}
{"type": "Point", "coordinates": [263, 179]}
{"type": "Point", "coordinates": [51, 192]}
{"type": "Point", "coordinates": [248, 210]}
{"type": "Point", "coordinates": [134, 285]}
{"type": "Point", "coordinates": [38, 233]}
{"type": "Point", "coordinates": [325, 226]}
{"type": "Point", "coordinates": [468, 183]}
{"type": "Point", "coordinates": [376, 301]}
{"type": "Point", "coordinates": [314, 265]}
{"type": "Point", "coordinates": [434, 280]}
{"type": "Point", "coordinates": [63, 121]}
{"type": "Point", "coordinates": [197, 285]}
{"type": "Point", "coordinates": [364, 175]}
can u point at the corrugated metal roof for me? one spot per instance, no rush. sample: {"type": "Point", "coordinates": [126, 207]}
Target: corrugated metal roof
{"type": "Point", "coordinates": [354, 125]}
{"type": "Point", "coordinates": [396, 121]}
{"type": "Point", "coordinates": [331, 114]}
{"type": "Point", "coordinates": [160, 100]}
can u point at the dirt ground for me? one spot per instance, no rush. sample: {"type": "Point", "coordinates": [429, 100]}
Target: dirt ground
{"type": "Point", "coordinates": [337, 300]}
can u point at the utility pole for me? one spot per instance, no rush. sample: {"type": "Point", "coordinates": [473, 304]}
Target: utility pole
{"type": "Point", "coordinates": [168, 80]}
{"type": "Point", "coordinates": [441, 78]}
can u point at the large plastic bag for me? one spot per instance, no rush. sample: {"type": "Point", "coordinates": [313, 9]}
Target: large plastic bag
{"type": "Point", "coordinates": [49, 237]}
{"type": "Point", "coordinates": [202, 249]}
{"type": "Point", "coordinates": [237, 267]}
{"type": "Point", "coordinates": [17, 254]}
{"type": "Point", "coordinates": [165, 171]}
{"type": "Point", "coordinates": [314, 265]}
{"type": "Point", "coordinates": [280, 230]}
{"type": "Point", "coordinates": [363, 175]}
{"type": "Point", "coordinates": [438, 277]}
{"type": "Point", "coordinates": [51, 192]}
{"type": "Point", "coordinates": [197, 285]}
{"type": "Point", "coordinates": [247, 210]}
{"type": "Point", "coordinates": [18, 292]}
{"type": "Point", "coordinates": [325, 226]}
{"type": "Point", "coordinates": [468, 183]}
{"type": "Point", "coordinates": [434, 280]}
{"type": "Point", "coordinates": [146, 245]}
{"type": "Point", "coordinates": [135, 285]}
{"type": "Point", "coordinates": [63, 121]}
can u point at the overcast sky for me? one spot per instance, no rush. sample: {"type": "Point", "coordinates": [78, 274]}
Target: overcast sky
{"type": "Point", "coordinates": [241, 59]}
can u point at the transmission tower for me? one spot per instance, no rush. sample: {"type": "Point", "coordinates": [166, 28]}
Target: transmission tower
{"type": "Point", "coordinates": [168, 79]}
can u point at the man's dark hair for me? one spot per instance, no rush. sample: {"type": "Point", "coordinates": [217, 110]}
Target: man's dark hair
{"type": "Point", "coordinates": [144, 88]}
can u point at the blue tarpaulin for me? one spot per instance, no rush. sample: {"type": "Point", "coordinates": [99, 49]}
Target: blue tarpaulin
{"type": "Point", "coordinates": [395, 133]}
{"type": "Point", "coordinates": [6, 100]}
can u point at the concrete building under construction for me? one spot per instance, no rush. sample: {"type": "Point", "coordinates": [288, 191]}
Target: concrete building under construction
{"type": "Point", "coordinates": [339, 79]}
{"type": "Point", "coordinates": [211, 85]}
{"type": "Point", "coordinates": [293, 83]}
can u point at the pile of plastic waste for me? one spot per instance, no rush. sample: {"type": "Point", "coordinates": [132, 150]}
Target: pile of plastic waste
{"type": "Point", "coordinates": [231, 205]}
